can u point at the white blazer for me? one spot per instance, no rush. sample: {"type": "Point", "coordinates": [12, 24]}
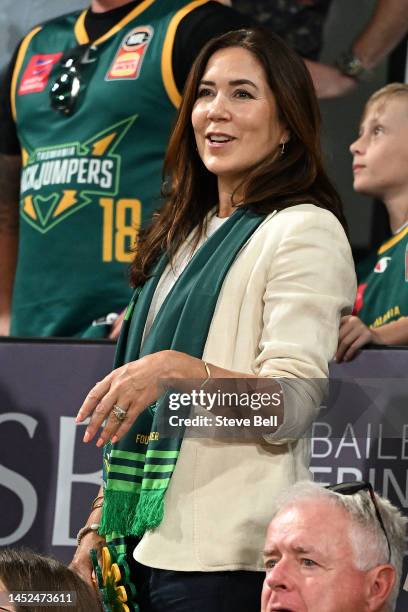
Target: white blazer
{"type": "Point", "coordinates": [277, 315]}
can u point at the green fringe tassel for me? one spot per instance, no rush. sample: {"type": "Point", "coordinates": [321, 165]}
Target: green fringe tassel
{"type": "Point", "coordinates": [119, 512]}
{"type": "Point", "coordinates": [131, 513]}
{"type": "Point", "coordinates": [150, 510]}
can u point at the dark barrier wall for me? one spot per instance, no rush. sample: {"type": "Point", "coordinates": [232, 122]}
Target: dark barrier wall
{"type": "Point", "coordinates": [48, 477]}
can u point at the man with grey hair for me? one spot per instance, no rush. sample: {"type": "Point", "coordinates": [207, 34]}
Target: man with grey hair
{"type": "Point", "coordinates": [336, 549]}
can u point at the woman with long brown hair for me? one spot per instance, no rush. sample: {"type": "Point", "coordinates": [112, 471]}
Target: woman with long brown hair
{"type": "Point", "coordinates": [243, 274]}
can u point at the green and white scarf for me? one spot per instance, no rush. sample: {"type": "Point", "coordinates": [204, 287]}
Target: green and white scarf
{"type": "Point", "coordinates": [137, 475]}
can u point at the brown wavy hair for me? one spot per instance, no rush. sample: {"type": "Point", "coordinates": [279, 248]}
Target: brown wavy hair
{"type": "Point", "coordinates": [23, 569]}
{"type": "Point", "coordinates": [277, 182]}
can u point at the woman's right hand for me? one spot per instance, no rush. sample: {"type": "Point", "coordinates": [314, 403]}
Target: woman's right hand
{"type": "Point", "coordinates": [81, 563]}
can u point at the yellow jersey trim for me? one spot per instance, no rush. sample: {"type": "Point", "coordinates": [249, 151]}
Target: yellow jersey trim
{"type": "Point", "coordinates": [166, 62]}
{"type": "Point", "coordinates": [82, 36]}
{"type": "Point", "coordinates": [390, 243]}
{"type": "Point", "coordinates": [79, 29]}
{"type": "Point", "coordinates": [17, 67]}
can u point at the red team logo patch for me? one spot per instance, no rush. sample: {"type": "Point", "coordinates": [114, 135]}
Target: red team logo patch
{"type": "Point", "coordinates": [382, 265]}
{"type": "Point", "coordinates": [37, 72]}
{"type": "Point", "coordinates": [130, 55]}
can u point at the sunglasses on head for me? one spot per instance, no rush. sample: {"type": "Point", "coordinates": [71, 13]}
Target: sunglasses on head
{"type": "Point", "coordinates": [350, 488]}
{"type": "Point", "coordinates": [65, 89]}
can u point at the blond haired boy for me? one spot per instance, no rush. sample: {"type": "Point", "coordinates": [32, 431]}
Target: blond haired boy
{"type": "Point", "coordinates": [380, 168]}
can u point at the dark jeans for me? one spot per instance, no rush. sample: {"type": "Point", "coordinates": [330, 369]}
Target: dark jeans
{"type": "Point", "coordinates": [169, 591]}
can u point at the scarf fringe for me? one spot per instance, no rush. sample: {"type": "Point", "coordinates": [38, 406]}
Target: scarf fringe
{"type": "Point", "coordinates": [150, 511]}
{"type": "Point", "coordinates": [119, 512]}
{"type": "Point", "coordinates": [131, 513]}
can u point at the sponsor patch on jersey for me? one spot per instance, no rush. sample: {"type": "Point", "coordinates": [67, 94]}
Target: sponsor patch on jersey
{"type": "Point", "coordinates": [382, 265]}
{"type": "Point", "coordinates": [130, 55]}
{"type": "Point", "coordinates": [37, 72]}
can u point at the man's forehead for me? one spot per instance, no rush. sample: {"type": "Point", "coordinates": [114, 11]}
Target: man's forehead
{"type": "Point", "coordinates": [305, 511]}
{"type": "Point", "coordinates": [308, 524]}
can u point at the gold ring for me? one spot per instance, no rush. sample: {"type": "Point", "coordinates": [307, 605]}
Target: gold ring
{"type": "Point", "coordinates": [119, 413]}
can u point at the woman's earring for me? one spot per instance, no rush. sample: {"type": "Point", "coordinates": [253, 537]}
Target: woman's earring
{"type": "Point", "coordinates": [282, 148]}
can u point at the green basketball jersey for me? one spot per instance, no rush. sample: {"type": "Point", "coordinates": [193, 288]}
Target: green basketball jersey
{"type": "Point", "coordinates": [91, 178]}
{"type": "Point", "coordinates": [382, 294]}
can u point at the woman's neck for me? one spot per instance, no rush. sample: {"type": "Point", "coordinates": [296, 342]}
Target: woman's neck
{"type": "Point", "coordinates": [226, 206]}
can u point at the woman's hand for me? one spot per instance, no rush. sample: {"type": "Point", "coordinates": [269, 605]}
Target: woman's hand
{"type": "Point", "coordinates": [81, 564]}
{"type": "Point", "coordinates": [353, 335]}
{"type": "Point", "coordinates": [131, 388]}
